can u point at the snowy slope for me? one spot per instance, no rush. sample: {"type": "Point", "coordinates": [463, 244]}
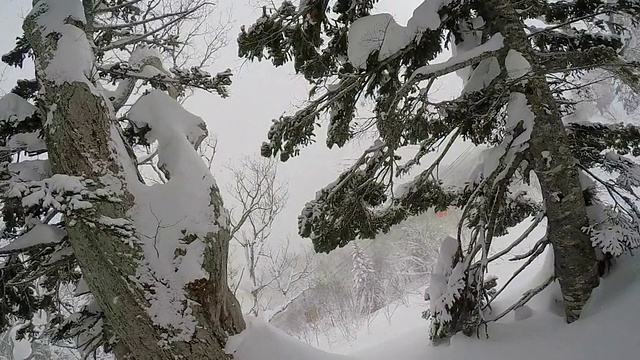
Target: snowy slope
{"type": "Point", "coordinates": [261, 341]}
{"type": "Point", "coordinates": [609, 329]}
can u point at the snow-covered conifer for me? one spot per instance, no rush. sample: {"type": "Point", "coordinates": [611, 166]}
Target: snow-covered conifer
{"type": "Point", "coordinates": [367, 285]}
{"type": "Point", "coordinates": [523, 84]}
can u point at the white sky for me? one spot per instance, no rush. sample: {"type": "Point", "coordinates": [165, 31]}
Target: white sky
{"type": "Point", "coordinates": [259, 93]}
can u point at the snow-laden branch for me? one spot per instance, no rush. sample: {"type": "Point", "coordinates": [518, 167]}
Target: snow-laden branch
{"type": "Point", "coordinates": [538, 250]}
{"type": "Point", "coordinates": [528, 295]}
{"type": "Point", "coordinates": [39, 235]}
{"type": "Point", "coordinates": [484, 51]}
{"type": "Point", "coordinates": [534, 224]}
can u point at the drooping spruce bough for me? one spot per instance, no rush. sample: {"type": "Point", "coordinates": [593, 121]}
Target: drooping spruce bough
{"type": "Point", "coordinates": [526, 67]}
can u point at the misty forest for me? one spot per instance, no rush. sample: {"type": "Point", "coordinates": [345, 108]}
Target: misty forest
{"type": "Point", "coordinates": [319, 179]}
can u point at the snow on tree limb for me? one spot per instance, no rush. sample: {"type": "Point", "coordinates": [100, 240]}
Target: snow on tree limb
{"type": "Point", "coordinates": [175, 210]}
{"type": "Point", "coordinates": [471, 57]}
{"type": "Point", "coordinates": [445, 286]}
{"type": "Point", "coordinates": [30, 170]}
{"type": "Point", "coordinates": [40, 234]}
{"type": "Point", "coordinates": [72, 58]}
{"type": "Point", "coordinates": [17, 118]}
{"type": "Point", "coordinates": [383, 34]}
{"type": "Point", "coordinates": [614, 226]}
{"type": "Point", "coordinates": [14, 109]}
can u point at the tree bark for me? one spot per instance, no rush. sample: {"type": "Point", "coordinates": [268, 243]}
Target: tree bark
{"type": "Point", "coordinates": [78, 134]}
{"type": "Point", "coordinates": [552, 162]}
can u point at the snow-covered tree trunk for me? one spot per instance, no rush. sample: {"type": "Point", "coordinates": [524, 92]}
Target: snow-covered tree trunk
{"type": "Point", "coordinates": [554, 165]}
{"type": "Point", "coordinates": [83, 141]}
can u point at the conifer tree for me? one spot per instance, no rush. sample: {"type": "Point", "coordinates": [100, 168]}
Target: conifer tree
{"type": "Point", "coordinates": [522, 84]}
{"type": "Point", "coordinates": [367, 285]}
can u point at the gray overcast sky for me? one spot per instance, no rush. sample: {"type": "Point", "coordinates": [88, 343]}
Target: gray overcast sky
{"type": "Point", "coordinates": [259, 93]}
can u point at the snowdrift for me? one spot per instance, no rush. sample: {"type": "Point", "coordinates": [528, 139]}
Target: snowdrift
{"type": "Point", "coordinates": [609, 329]}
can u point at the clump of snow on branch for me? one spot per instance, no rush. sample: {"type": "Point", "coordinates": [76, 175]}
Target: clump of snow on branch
{"type": "Point", "coordinates": [39, 234]}
{"type": "Point", "coordinates": [470, 34]}
{"type": "Point", "coordinates": [142, 56]}
{"type": "Point", "coordinates": [30, 170]}
{"type": "Point", "coordinates": [519, 125]}
{"type": "Point", "coordinates": [382, 33]}
{"type": "Point", "coordinates": [375, 33]}
{"type": "Point", "coordinates": [15, 110]}
{"type": "Point", "coordinates": [145, 62]}
{"type": "Point", "coordinates": [29, 142]}
{"type": "Point", "coordinates": [72, 59]}
{"type": "Point", "coordinates": [496, 42]}
{"type": "Point", "coordinates": [485, 72]}
{"type": "Point", "coordinates": [517, 66]}
{"type": "Point", "coordinates": [519, 113]}
{"type": "Point", "coordinates": [61, 192]}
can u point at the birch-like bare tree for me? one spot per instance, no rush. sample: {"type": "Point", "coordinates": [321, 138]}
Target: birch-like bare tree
{"type": "Point", "coordinates": [260, 198]}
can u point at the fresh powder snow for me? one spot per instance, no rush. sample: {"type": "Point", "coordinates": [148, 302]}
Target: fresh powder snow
{"type": "Point", "coordinates": [608, 328]}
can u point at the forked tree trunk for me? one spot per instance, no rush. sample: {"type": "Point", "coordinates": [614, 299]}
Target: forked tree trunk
{"type": "Point", "coordinates": [553, 163]}
{"type": "Point", "coordinates": [79, 140]}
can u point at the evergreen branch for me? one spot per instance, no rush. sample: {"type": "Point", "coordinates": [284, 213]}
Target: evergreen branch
{"type": "Point", "coordinates": [536, 247]}
{"type": "Point", "coordinates": [539, 250]}
{"type": "Point", "coordinates": [537, 220]}
{"type": "Point", "coordinates": [568, 22]}
{"type": "Point", "coordinates": [528, 295]}
{"type": "Point", "coordinates": [614, 191]}
{"type": "Point", "coordinates": [565, 61]}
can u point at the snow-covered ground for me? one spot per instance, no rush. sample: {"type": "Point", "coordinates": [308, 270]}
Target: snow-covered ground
{"type": "Point", "coordinates": [609, 327]}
